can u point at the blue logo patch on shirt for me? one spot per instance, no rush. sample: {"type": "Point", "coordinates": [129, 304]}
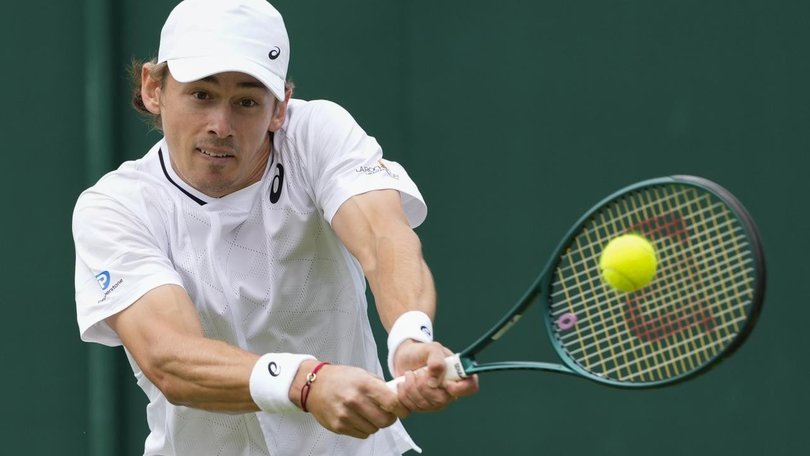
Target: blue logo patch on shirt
{"type": "Point", "coordinates": [103, 279]}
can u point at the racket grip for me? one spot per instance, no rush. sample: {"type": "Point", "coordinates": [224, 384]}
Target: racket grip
{"type": "Point", "coordinates": [454, 371]}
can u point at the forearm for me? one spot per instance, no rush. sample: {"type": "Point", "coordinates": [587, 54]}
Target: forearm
{"type": "Point", "coordinates": [203, 373]}
{"type": "Point", "coordinates": [399, 277]}
{"type": "Point", "coordinates": [375, 229]}
{"type": "Point", "coordinates": [164, 335]}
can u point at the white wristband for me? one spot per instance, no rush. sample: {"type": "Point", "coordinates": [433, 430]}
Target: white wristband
{"type": "Point", "coordinates": [414, 325]}
{"type": "Point", "coordinates": [271, 378]}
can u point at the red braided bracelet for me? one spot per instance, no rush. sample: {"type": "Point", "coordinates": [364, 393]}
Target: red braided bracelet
{"type": "Point", "coordinates": [311, 377]}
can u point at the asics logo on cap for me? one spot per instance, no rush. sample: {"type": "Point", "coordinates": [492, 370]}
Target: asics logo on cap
{"type": "Point", "coordinates": [273, 369]}
{"type": "Point", "coordinates": [274, 53]}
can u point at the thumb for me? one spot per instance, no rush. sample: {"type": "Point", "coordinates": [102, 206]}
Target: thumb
{"type": "Point", "coordinates": [436, 367]}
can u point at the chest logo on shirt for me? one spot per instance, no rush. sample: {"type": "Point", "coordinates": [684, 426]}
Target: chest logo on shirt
{"type": "Point", "coordinates": [277, 184]}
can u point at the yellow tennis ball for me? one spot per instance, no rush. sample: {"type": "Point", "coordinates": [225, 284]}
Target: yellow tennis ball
{"type": "Point", "coordinates": [628, 262]}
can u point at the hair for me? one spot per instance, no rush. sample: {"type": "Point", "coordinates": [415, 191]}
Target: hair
{"type": "Point", "coordinates": [158, 71]}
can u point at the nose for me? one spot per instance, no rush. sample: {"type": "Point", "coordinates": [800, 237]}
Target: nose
{"type": "Point", "coordinates": [220, 121]}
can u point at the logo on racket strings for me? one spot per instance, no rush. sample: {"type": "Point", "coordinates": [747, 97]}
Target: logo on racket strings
{"type": "Point", "coordinates": [567, 321]}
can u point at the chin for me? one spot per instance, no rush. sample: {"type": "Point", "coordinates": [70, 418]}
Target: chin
{"type": "Point", "coordinates": [212, 188]}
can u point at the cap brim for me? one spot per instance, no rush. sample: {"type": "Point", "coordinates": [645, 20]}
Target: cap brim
{"type": "Point", "coordinates": [195, 68]}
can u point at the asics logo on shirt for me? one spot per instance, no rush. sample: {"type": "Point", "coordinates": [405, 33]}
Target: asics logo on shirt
{"type": "Point", "coordinates": [276, 184]}
{"type": "Point", "coordinates": [273, 369]}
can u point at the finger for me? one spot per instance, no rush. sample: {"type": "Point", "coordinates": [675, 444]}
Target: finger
{"type": "Point", "coordinates": [427, 396]}
{"type": "Point", "coordinates": [464, 387]}
{"type": "Point", "coordinates": [409, 394]}
{"type": "Point", "coordinates": [436, 366]}
{"type": "Point", "coordinates": [355, 424]}
{"type": "Point", "coordinates": [375, 414]}
{"type": "Point", "coordinates": [389, 402]}
{"type": "Point", "coordinates": [434, 374]}
{"type": "Point", "coordinates": [373, 401]}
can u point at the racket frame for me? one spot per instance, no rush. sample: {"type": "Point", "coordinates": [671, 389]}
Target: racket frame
{"type": "Point", "coordinates": [467, 365]}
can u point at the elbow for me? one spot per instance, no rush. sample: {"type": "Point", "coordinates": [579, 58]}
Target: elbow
{"type": "Point", "coordinates": [169, 385]}
{"type": "Point", "coordinates": [175, 391]}
{"type": "Point", "coordinates": [162, 382]}
{"type": "Point", "coordinates": [172, 392]}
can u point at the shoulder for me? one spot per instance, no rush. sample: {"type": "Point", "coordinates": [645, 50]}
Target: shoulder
{"type": "Point", "coordinates": [299, 110]}
{"type": "Point", "coordinates": [123, 190]}
{"type": "Point", "coordinates": [319, 126]}
{"type": "Point", "coordinates": [316, 118]}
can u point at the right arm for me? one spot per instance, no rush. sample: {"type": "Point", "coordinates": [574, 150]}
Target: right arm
{"type": "Point", "coordinates": [163, 333]}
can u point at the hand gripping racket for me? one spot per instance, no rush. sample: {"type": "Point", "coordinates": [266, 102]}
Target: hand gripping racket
{"type": "Point", "coordinates": [699, 308]}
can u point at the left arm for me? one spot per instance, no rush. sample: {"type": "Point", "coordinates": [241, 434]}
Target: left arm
{"type": "Point", "coordinates": [374, 228]}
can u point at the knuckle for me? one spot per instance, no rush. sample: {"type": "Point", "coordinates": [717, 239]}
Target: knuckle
{"type": "Point", "coordinates": [342, 417]}
{"type": "Point", "coordinates": [353, 400]}
{"type": "Point", "coordinates": [342, 427]}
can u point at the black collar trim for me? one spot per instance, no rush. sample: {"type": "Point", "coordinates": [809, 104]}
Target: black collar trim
{"type": "Point", "coordinates": [166, 173]}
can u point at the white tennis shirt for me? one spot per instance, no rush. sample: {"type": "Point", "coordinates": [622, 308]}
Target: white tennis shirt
{"type": "Point", "coordinates": [263, 267]}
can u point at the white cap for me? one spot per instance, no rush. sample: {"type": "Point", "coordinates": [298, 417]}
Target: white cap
{"type": "Point", "coordinates": [204, 37]}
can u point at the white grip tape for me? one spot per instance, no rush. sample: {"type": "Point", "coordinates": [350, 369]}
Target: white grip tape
{"type": "Point", "coordinates": [415, 325]}
{"type": "Point", "coordinates": [271, 378]}
{"type": "Point", "coordinates": [454, 372]}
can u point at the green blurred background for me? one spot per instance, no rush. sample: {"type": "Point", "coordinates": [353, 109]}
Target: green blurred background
{"type": "Point", "coordinates": [513, 117]}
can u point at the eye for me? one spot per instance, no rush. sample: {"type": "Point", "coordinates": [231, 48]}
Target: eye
{"type": "Point", "coordinates": [247, 103]}
{"type": "Point", "coordinates": [201, 95]}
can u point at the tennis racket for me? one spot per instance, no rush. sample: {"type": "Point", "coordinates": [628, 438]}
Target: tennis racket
{"type": "Point", "coordinates": [701, 305]}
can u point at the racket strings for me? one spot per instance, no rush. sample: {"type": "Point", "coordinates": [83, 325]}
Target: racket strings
{"type": "Point", "coordinates": [724, 278]}
{"type": "Point", "coordinates": [691, 312]}
{"type": "Point", "coordinates": [587, 259]}
{"type": "Point", "coordinates": [614, 330]}
{"type": "Point", "coordinates": [584, 267]}
{"type": "Point", "coordinates": [620, 338]}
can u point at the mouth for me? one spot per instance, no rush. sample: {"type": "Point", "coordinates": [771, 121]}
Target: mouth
{"type": "Point", "coordinates": [214, 153]}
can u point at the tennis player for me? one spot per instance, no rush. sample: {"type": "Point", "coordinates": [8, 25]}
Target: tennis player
{"type": "Point", "coordinates": [231, 260]}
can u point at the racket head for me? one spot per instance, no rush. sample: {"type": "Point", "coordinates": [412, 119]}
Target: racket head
{"type": "Point", "coordinates": [701, 305]}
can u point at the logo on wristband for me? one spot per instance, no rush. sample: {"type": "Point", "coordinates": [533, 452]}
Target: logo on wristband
{"type": "Point", "coordinates": [273, 369]}
{"type": "Point", "coordinates": [426, 330]}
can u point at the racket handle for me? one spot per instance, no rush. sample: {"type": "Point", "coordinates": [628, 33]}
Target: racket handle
{"type": "Point", "coordinates": [454, 371]}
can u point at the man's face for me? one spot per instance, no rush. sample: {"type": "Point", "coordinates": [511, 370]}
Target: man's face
{"type": "Point", "coordinates": [217, 129]}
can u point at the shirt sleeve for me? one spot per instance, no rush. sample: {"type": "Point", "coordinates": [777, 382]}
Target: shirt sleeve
{"type": "Point", "coordinates": [118, 260]}
{"type": "Point", "coordinates": [343, 161]}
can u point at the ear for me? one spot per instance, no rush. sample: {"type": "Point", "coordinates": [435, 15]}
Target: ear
{"type": "Point", "coordinates": [280, 112]}
{"type": "Point", "coordinates": [150, 89]}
